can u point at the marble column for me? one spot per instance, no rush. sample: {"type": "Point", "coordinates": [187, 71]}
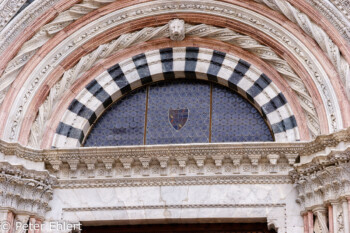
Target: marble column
{"type": "Point", "coordinates": [5, 224]}
{"type": "Point", "coordinates": [330, 218]}
{"type": "Point", "coordinates": [310, 220]}
{"type": "Point", "coordinates": [348, 198]}
{"type": "Point", "coordinates": [335, 207]}
{"type": "Point", "coordinates": [306, 224]}
{"type": "Point", "coordinates": [320, 213]}
{"type": "Point", "coordinates": [346, 215]}
{"type": "Point", "coordinates": [32, 225]}
{"type": "Point", "coordinates": [339, 217]}
{"type": "Point", "coordinates": [38, 223]}
{"type": "Point", "coordinates": [21, 221]}
{"type": "Point", "coordinates": [10, 220]}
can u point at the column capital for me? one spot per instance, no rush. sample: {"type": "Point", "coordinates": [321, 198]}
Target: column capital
{"type": "Point", "coordinates": [321, 209]}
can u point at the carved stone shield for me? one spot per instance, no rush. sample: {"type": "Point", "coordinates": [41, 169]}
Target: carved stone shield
{"type": "Point", "coordinates": [178, 117]}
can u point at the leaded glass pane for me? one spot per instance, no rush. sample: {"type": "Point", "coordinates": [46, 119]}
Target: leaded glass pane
{"type": "Point", "coordinates": [122, 124]}
{"type": "Point", "coordinates": [178, 113]}
{"type": "Point", "coordinates": [236, 120]}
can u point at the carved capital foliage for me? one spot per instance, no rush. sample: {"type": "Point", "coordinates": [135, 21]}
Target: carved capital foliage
{"type": "Point", "coordinates": [25, 190]}
{"type": "Point", "coordinates": [324, 179]}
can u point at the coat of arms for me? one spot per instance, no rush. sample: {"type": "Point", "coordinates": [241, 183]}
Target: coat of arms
{"type": "Point", "coordinates": [178, 117]}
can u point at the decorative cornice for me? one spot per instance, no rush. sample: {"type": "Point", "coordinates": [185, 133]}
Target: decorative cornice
{"type": "Point", "coordinates": [236, 149]}
{"type": "Point", "coordinates": [323, 141]}
{"type": "Point", "coordinates": [174, 181]}
{"type": "Point", "coordinates": [318, 163]}
{"type": "Point", "coordinates": [22, 172]}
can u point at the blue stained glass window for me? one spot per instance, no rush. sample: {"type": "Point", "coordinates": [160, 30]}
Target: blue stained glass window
{"type": "Point", "coordinates": [122, 124]}
{"type": "Point", "coordinates": [179, 112]}
{"type": "Point", "coordinates": [236, 120]}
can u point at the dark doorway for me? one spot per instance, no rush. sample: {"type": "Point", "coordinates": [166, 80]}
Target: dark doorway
{"type": "Point", "coordinates": [174, 228]}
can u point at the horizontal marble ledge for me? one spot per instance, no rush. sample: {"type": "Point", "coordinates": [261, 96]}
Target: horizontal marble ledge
{"type": "Point", "coordinates": [226, 149]}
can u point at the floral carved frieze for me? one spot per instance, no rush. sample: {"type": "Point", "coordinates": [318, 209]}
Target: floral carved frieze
{"type": "Point", "coordinates": [25, 191]}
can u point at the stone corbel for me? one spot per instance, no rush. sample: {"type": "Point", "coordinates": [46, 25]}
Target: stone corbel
{"type": "Point", "coordinates": [90, 164]}
{"type": "Point", "coordinates": [273, 158]}
{"type": "Point", "coordinates": [163, 161]}
{"type": "Point", "coordinates": [56, 165]}
{"type": "Point", "coordinates": [182, 164]}
{"type": "Point", "coordinates": [127, 161]}
{"type": "Point", "coordinates": [73, 165]}
{"type": "Point", "coordinates": [108, 165]}
{"type": "Point", "coordinates": [254, 159]}
{"type": "Point", "coordinates": [291, 158]}
{"type": "Point", "coordinates": [145, 165]}
{"type": "Point", "coordinates": [218, 162]}
{"type": "Point", "coordinates": [236, 160]}
{"type": "Point", "coordinates": [200, 159]}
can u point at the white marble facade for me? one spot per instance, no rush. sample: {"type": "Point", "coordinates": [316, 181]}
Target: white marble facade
{"type": "Point", "coordinates": [274, 204]}
{"type": "Point", "coordinates": [250, 182]}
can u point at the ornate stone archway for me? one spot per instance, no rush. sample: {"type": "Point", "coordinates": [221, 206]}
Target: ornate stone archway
{"type": "Point", "coordinates": [172, 63]}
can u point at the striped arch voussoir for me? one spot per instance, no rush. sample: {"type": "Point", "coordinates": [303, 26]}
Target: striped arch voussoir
{"type": "Point", "coordinates": [168, 64]}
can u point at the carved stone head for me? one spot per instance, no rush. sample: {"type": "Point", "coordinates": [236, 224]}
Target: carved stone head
{"type": "Point", "coordinates": [177, 29]}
